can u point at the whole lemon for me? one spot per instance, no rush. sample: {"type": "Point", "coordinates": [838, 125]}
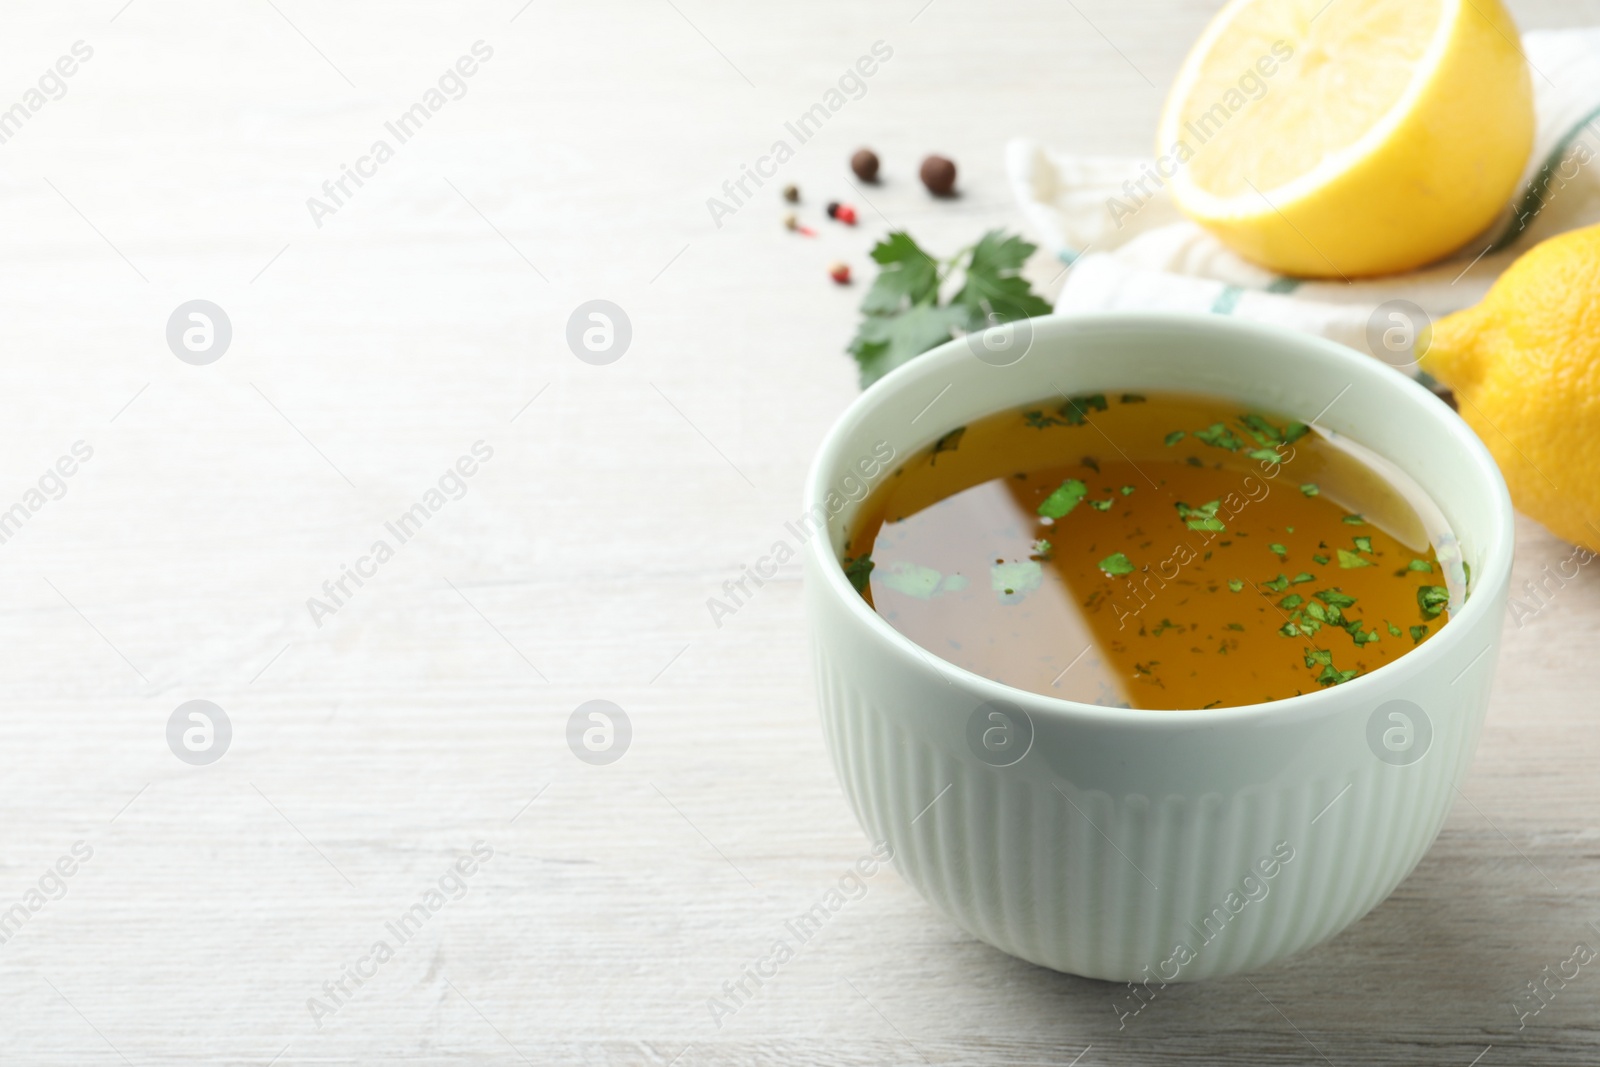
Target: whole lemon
{"type": "Point", "coordinates": [1351, 138]}
{"type": "Point", "coordinates": [1525, 366]}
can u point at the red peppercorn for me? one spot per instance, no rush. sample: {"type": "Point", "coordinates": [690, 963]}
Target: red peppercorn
{"type": "Point", "coordinates": [842, 212]}
{"type": "Point", "coordinates": [840, 273]}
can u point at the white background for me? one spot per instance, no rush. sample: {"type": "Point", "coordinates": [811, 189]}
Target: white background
{"type": "Point", "coordinates": [370, 753]}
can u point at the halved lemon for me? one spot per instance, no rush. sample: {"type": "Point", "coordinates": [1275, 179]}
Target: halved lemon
{"type": "Point", "coordinates": [1341, 138]}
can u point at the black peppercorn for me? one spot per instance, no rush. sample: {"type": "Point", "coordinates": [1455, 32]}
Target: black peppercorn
{"type": "Point", "coordinates": [939, 175]}
{"type": "Point", "coordinates": [865, 165]}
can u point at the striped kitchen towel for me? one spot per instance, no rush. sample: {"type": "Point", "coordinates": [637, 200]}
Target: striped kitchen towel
{"type": "Point", "coordinates": [1127, 249]}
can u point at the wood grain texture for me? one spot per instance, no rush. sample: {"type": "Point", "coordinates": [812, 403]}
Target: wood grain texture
{"type": "Point", "coordinates": [371, 752]}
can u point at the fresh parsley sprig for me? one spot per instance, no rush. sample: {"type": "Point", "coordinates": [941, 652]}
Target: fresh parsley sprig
{"type": "Point", "coordinates": [902, 316]}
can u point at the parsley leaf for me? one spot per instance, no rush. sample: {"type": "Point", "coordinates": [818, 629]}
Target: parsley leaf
{"type": "Point", "coordinates": [1310, 489]}
{"type": "Point", "coordinates": [901, 313]}
{"type": "Point", "coordinates": [1219, 436]}
{"type": "Point", "coordinates": [1420, 565]}
{"type": "Point", "coordinates": [1076, 409]}
{"type": "Point", "coordinates": [1278, 550]}
{"type": "Point", "coordinates": [908, 276]}
{"type": "Point", "coordinates": [1235, 584]}
{"type": "Point", "coordinates": [1354, 520]}
{"type": "Point", "coordinates": [1116, 563]}
{"type": "Point", "coordinates": [1335, 599]}
{"type": "Point", "coordinates": [1363, 544]}
{"type": "Point", "coordinates": [1353, 628]}
{"type": "Point", "coordinates": [1173, 438]}
{"type": "Point", "coordinates": [1432, 599]}
{"type": "Point", "coordinates": [1014, 581]}
{"type": "Point", "coordinates": [1348, 559]}
{"type": "Point", "coordinates": [948, 443]}
{"type": "Point", "coordinates": [992, 284]}
{"type": "Point", "coordinates": [1263, 431]}
{"type": "Point", "coordinates": [858, 570]}
{"type": "Point", "coordinates": [1063, 499]}
{"type": "Point", "coordinates": [1075, 412]}
{"type": "Point", "coordinates": [1331, 676]}
{"type": "Point", "coordinates": [1418, 633]}
{"type": "Point", "coordinates": [923, 583]}
{"type": "Point", "coordinates": [1203, 517]}
{"type": "Point", "coordinates": [883, 342]}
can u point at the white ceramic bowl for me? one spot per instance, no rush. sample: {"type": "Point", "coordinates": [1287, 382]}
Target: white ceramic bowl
{"type": "Point", "coordinates": [1142, 845]}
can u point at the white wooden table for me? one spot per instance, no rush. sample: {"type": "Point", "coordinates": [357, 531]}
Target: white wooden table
{"type": "Point", "coordinates": [430, 710]}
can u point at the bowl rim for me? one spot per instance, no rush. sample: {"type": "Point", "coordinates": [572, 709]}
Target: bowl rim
{"type": "Point", "coordinates": [1493, 575]}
